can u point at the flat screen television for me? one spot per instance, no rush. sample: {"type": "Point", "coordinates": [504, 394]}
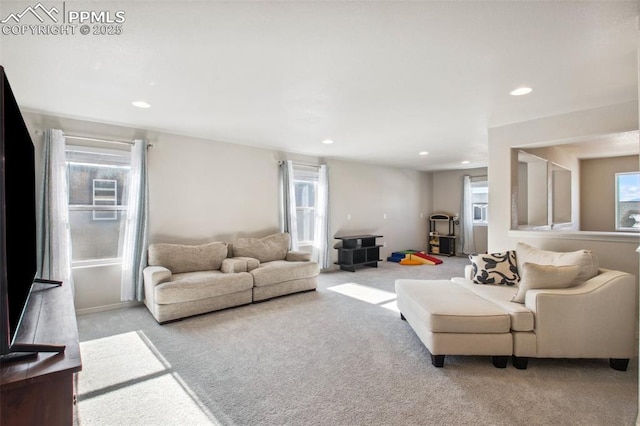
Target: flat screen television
{"type": "Point", "coordinates": [18, 245]}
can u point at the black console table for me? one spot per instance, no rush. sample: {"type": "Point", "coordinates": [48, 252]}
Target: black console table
{"type": "Point", "coordinates": [358, 250]}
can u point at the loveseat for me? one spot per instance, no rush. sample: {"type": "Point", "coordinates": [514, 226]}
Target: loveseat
{"type": "Point", "coordinates": [184, 280]}
{"type": "Point", "coordinates": [527, 303]}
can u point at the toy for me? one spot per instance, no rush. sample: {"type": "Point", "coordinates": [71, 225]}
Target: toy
{"type": "Point", "coordinates": [424, 256]}
{"type": "Point", "coordinates": [397, 256]}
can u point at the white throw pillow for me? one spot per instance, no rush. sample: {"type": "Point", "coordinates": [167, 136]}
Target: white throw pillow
{"type": "Point", "coordinates": [585, 260]}
{"type": "Point", "coordinates": [181, 258]}
{"type": "Point", "coordinates": [534, 276]}
{"type": "Point", "coordinates": [495, 268]}
{"type": "Point", "coordinates": [266, 249]}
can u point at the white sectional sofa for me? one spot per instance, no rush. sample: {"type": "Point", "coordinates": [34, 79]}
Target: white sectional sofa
{"type": "Point", "coordinates": [559, 305]}
{"type": "Point", "coordinates": [184, 280]}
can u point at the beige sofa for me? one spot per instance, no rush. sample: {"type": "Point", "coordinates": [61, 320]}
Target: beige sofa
{"type": "Point", "coordinates": [278, 271]}
{"type": "Point", "coordinates": [561, 305]}
{"type": "Point", "coordinates": [184, 280]}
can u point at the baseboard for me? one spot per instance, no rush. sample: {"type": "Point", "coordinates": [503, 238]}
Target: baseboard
{"type": "Point", "coordinates": [112, 307]}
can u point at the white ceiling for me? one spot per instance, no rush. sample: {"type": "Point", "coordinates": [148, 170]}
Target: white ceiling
{"type": "Point", "coordinates": [624, 143]}
{"type": "Point", "coordinates": [384, 80]}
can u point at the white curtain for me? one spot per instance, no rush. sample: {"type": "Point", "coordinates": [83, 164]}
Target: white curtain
{"type": "Point", "coordinates": [134, 245]}
{"type": "Point", "coordinates": [288, 213]}
{"type": "Point", "coordinates": [54, 235]}
{"type": "Point", "coordinates": [321, 244]}
{"type": "Point", "coordinates": [468, 243]}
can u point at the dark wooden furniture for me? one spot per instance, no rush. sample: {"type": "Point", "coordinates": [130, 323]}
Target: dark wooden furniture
{"type": "Point", "coordinates": [358, 250]}
{"type": "Point", "coordinates": [39, 391]}
{"type": "Point", "coordinates": [444, 244]}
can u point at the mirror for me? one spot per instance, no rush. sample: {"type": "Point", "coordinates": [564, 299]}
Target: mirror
{"type": "Point", "coordinates": [532, 195]}
{"type": "Point", "coordinates": [560, 195]}
{"type": "Point", "coordinates": [579, 174]}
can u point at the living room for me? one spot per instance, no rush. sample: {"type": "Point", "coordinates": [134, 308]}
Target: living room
{"type": "Point", "coordinates": [213, 173]}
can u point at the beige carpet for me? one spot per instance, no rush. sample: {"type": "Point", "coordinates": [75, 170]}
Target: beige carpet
{"type": "Point", "coordinates": [337, 356]}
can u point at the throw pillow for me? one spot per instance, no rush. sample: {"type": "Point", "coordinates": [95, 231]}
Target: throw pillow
{"type": "Point", "coordinates": [495, 268]}
{"type": "Point", "coordinates": [272, 247]}
{"type": "Point", "coordinates": [585, 260]}
{"type": "Point", "coordinates": [181, 258]}
{"type": "Point", "coordinates": [536, 276]}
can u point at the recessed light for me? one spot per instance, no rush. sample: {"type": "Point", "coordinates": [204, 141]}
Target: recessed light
{"type": "Point", "coordinates": [141, 104]}
{"type": "Point", "coordinates": [465, 162]}
{"type": "Point", "coordinates": [520, 91]}
{"type": "Point", "coordinates": [423, 153]}
{"type": "Point", "coordinates": [327, 141]}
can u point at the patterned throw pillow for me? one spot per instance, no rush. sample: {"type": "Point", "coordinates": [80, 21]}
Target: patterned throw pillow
{"type": "Point", "coordinates": [495, 268]}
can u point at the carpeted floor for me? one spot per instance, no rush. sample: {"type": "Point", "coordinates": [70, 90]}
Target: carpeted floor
{"type": "Point", "coordinates": [336, 356]}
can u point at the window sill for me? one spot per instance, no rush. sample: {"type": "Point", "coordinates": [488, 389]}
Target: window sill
{"type": "Point", "coordinates": [96, 263]}
{"type": "Point", "coordinates": [618, 237]}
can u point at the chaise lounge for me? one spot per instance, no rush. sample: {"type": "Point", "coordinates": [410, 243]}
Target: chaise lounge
{"type": "Point", "coordinates": [543, 305]}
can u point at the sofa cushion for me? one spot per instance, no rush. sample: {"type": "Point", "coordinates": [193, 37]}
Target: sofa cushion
{"type": "Point", "coordinates": [495, 268]}
{"type": "Point", "coordinates": [239, 264]}
{"type": "Point", "coordinates": [444, 307]}
{"type": "Point", "coordinates": [279, 271]}
{"type": "Point", "coordinates": [267, 249]}
{"type": "Point", "coordinates": [585, 260]}
{"type": "Point", "coordinates": [521, 316]}
{"type": "Point", "coordinates": [180, 258]}
{"type": "Point", "coordinates": [192, 286]}
{"type": "Point", "coordinates": [544, 276]}
{"type": "Point", "coordinates": [298, 256]}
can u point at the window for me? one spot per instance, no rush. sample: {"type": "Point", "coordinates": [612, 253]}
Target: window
{"type": "Point", "coordinates": [305, 182]}
{"type": "Point", "coordinates": [480, 202]}
{"type": "Point", "coordinates": [97, 183]}
{"type": "Point", "coordinates": [628, 201]}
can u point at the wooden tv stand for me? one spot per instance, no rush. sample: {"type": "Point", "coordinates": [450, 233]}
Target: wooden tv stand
{"type": "Point", "coordinates": [39, 391]}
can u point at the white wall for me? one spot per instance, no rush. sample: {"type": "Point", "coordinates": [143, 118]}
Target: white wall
{"type": "Point", "coordinates": [447, 195]}
{"type": "Point", "coordinates": [205, 190]}
{"type": "Point", "coordinates": [361, 195]}
{"type": "Point", "coordinates": [616, 252]}
{"type": "Point", "coordinates": [202, 191]}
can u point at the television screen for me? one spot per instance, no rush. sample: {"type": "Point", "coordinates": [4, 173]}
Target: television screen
{"type": "Point", "coordinates": [18, 231]}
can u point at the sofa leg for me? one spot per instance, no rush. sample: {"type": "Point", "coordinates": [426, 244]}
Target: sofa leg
{"type": "Point", "coordinates": [619, 364]}
{"type": "Point", "coordinates": [437, 360]}
{"type": "Point", "coordinates": [499, 361]}
{"type": "Point", "coordinates": [402, 317]}
{"type": "Point", "coordinates": [520, 362]}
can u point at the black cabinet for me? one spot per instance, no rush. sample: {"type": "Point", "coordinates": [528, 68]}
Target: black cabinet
{"type": "Point", "coordinates": [358, 250]}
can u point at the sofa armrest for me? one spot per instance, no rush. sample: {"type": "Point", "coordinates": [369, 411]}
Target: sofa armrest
{"type": "Point", "coordinates": [155, 275]}
{"type": "Point", "coordinates": [231, 265]}
{"type": "Point", "coordinates": [297, 256]}
{"type": "Point", "coordinates": [593, 320]}
{"type": "Point", "coordinates": [468, 272]}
